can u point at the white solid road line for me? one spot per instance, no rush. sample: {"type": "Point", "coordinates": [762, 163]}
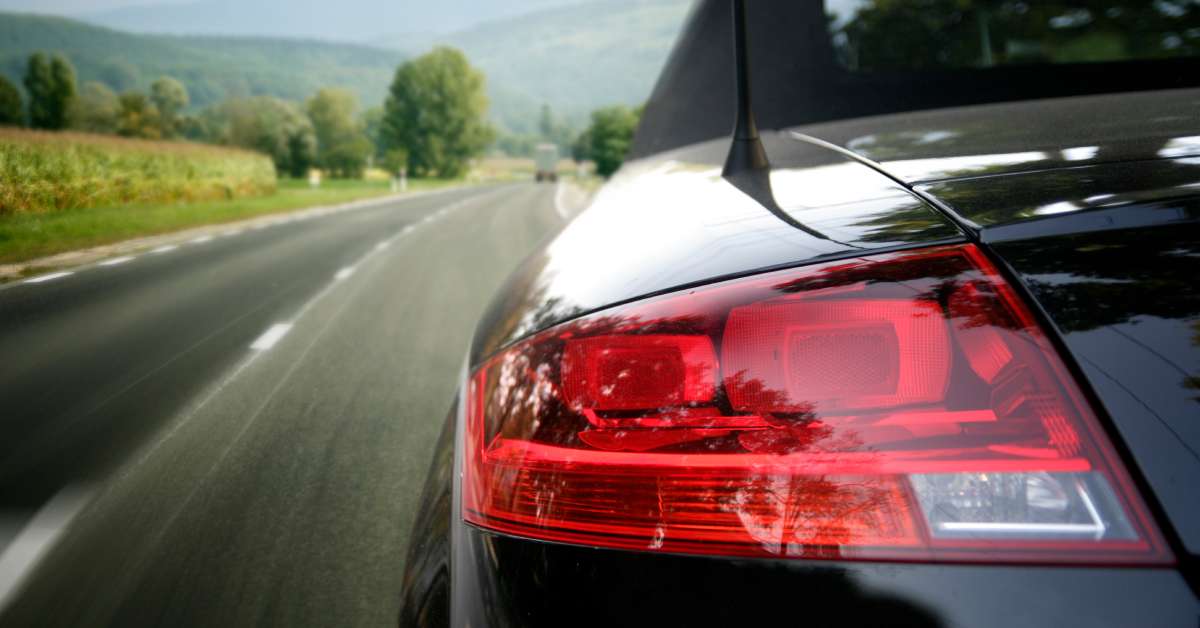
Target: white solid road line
{"type": "Point", "coordinates": [271, 336]}
{"type": "Point", "coordinates": [23, 553]}
{"type": "Point", "coordinates": [117, 260]}
{"type": "Point", "coordinates": [50, 277]}
{"type": "Point", "coordinates": [558, 200]}
{"type": "Point", "coordinates": [343, 273]}
{"type": "Point", "coordinates": [166, 248]}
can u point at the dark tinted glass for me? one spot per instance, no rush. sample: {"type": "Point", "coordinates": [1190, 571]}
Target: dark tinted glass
{"type": "Point", "coordinates": [886, 35]}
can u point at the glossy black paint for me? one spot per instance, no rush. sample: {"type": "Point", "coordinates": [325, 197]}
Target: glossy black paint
{"type": "Point", "coordinates": [461, 576]}
{"type": "Point", "coordinates": [669, 222]}
{"type": "Point", "coordinates": [1037, 135]}
{"type": "Point", "coordinates": [513, 582]}
{"type": "Point", "coordinates": [426, 594]}
{"type": "Point", "coordinates": [1108, 247]}
{"type": "Point", "coordinates": [1127, 305]}
{"type": "Point", "coordinates": [1029, 196]}
{"type": "Point", "coordinates": [796, 80]}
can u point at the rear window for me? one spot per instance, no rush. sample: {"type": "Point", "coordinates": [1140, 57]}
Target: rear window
{"type": "Point", "coordinates": [907, 35]}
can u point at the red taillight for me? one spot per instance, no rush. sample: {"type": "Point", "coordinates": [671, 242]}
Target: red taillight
{"type": "Point", "coordinates": [902, 406]}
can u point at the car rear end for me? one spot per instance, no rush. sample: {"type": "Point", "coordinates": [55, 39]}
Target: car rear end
{"type": "Point", "coordinates": [965, 394]}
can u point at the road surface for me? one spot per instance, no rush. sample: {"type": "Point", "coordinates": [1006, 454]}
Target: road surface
{"type": "Point", "coordinates": [235, 431]}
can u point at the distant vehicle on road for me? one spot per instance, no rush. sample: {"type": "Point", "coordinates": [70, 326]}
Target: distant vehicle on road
{"type": "Point", "coordinates": [546, 163]}
{"type": "Point", "coordinates": [923, 354]}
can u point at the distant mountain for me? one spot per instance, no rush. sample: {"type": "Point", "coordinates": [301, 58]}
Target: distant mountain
{"type": "Point", "coordinates": [345, 20]}
{"type": "Point", "coordinates": [574, 58]}
{"type": "Point", "coordinates": [212, 68]}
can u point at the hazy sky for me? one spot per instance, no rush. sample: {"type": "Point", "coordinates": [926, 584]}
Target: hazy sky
{"type": "Point", "coordinates": [75, 6]}
{"type": "Point", "coordinates": [347, 20]}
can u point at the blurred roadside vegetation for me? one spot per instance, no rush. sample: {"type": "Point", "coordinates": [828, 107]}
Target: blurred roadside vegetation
{"type": "Point", "coordinates": [44, 172]}
{"type": "Point", "coordinates": [29, 236]}
{"type": "Point", "coordinates": [96, 166]}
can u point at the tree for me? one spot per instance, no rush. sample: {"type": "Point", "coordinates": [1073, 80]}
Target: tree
{"type": "Point", "coordinates": [394, 160]}
{"type": "Point", "coordinates": [435, 113]}
{"type": "Point", "coordinates": [51, 87]}
{"type": "Point", "coordinates": [119, 74]}
{"type": "Point", "coordinates": [62, 75]}
{"type": "Point", "coordinates": [138, 117]}
{"type": "Point", "coordinates": [11, 112]}
{"type": "Point", "coordinates": [372, 124]}
{"type": "Point", "coordinates": [170, 97]}
{"type": "Point", "coordinates": [517, 145]}
{"type": "Point", "coordinates": [546, 124]}
{"type": "Point", "coordinates": [96, 109]}
{"type": "Point", "coordinates": [39, 86]}
{"type": "Point", "coordinates": [342, 145]}
{"type": "Point", "coordinates": [611, 134]}
{"type": "Point", "coordinates": [265, 124]}
{"type": "Point", "coordinates": [581, 148]}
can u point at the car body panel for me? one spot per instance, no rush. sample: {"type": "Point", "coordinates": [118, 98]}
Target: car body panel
{"type": "Point", "coordinates": [1014, 206]}
{"type": "Point", "coordinates": [1113, 277]}
{"type": "Point", "coordinates": [669, 222]}
{"type": "Point", "coordinates": [1127, 306]}
{"type": "Point", "coordinates": [513, 582]}
{"type": "Point", "coordinates": [460, 575]}
{"type": "Point", "coordinates": [796, 80]}
{"type": "Point", "coordinates": [1007, 138]}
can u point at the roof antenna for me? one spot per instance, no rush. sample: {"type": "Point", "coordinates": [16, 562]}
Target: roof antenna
{"type": "Point", "coordinates": [746, 152]}
{"type": "Point", "coordinates": [746, 166]}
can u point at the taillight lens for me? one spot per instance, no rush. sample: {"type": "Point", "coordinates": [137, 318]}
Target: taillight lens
{"type": "Point", "coordinates": [902, 406]}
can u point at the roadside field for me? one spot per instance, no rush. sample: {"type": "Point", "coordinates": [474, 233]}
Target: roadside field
{"type": "Point", "coordinates": [47, 172]}
{"type": "Point", "coordinates": [28, 236]}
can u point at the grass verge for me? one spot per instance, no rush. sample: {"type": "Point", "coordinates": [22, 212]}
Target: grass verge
{"type": "Point", "coordinates": [29, 236]}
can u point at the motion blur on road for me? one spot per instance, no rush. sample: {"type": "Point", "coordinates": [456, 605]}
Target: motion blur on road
{"type": "Point", "coordinates": [241, 438]}
{"type": "Point", "coordinates": [244, 245]}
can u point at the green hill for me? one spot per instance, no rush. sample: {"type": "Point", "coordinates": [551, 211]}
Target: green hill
{"type": "Point", "coordinates": [213, 68]}
{"type": "Point", "coordinates": [574, 58]}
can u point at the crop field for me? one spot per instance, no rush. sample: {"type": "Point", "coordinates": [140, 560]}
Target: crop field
{"type": "Point", "coordinates": [46, 172]}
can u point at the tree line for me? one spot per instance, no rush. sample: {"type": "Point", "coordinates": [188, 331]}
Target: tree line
{"type": "Point", "coordinates": [605, 140]}
{"type": "Point", "coordinates": [432, 123]}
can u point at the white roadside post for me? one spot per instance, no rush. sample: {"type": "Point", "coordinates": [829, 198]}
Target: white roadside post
{"type": "Point", "coordinates": [404, 179]}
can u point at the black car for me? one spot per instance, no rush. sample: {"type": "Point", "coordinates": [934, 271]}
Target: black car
{"type": "Point", "coordinates": [926, 354]}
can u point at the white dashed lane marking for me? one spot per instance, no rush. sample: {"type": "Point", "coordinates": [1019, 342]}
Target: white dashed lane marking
{"type": "Point", "coordinates": [50, 277]}
{"type": "Point", "coordinates": [116, 260]}
{"type": "Point", "coordinates": [167, 248]}
{"type": "Point", "coordinates": [271, 336]}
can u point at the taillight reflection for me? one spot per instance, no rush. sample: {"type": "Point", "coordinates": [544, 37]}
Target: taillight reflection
{"type": "Point", "coordinates": [902, 406]}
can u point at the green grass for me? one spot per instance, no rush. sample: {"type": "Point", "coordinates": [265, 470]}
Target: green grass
{"type": "Point", "coordinates": [28, 236]}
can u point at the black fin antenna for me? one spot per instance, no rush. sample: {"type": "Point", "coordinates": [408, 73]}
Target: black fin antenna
{"type": "Point", "coordinates": [746, 166]}
{"type": "Point", "coordinates": [746, 152]}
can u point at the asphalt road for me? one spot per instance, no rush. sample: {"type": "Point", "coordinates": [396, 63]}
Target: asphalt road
{"type": "Point", "coordinates": [235, 432]}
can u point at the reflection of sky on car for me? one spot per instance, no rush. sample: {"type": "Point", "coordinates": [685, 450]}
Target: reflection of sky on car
{"type": "Point", "coordinates": [964, 165]}
{"type": "Point", "coordinates": [1181, 147]}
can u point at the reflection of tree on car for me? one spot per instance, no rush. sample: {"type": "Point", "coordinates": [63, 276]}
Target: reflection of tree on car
{"type": "Point", "coordinates": [900, 34]}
